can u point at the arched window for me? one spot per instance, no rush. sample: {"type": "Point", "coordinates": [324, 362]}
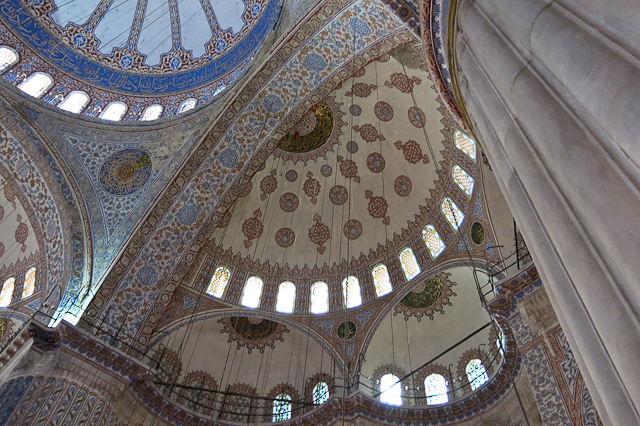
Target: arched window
{"type": "Point", "coordinates": [286, 301]}
{"type": "Point", "coordinates": [252, 293]}
{"type": "Point", "coordinates": [151, 112]}
{"type": "Point", "coordinates": [381, 280]}
{"type": "Point", "coordinates": [187, 105]}
{"type": "Point", "coordinates": [320, 393]}
{"type": "Point", "coordinates": [409, 263]}
{"type": "Point", "coordinates": [433, 241]}
{"type": "Point", "coordinates": [476, 374]}
{"type": "Point", "coordinates": [7, 292]}
{"type": "Point", "coordinates": [453, 214]}
{"type": "Point", "coordinates": [36, 84]}
{"type": "Point", "coordinates": [390, 390]}
{"type": "Point", "coordinates": [435, 386]}
{"type": "Point", "coordinates": [29, 283]}
{"type": "Point", "coordinates": [74, 102]}
{"type": "Point", "coordinates": [465, 144]}
{"type": "Point", "coordinates": [114, 111]}
{"type": "Point", "coordinates": [219, 281]}
{"type": "Point", "coordinates": [462, 178]}
{"type": "Point", "coordinates": [8, 57]}
{"type": "Point", "coordinates": [351, 292]}
{"type": "Point", "coordinates": [319, 298]}
{"type": "Point", "coordinates": [282, 408]}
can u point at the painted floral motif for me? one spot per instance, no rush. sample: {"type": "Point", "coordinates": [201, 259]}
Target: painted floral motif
{"type": "Point", "coordinates": [285, 237]}
{"type": "Point", "coordinates": [402, 82]}
{"type": "Point", "coordinates": [402, 186]}
{"type": "Point", "coordinates": [10, 195]}
{"type": "Point", "coordinates": [377, 207]}
{"type": "Point", "coordinates": [412, 151]}
{"type": "Point", "coordinates": [252, 228]}
{"type": "Point", "coordinates": [319, 233]}
{"type": "Point", "coordinates": [349, 169]}
{"type": "Point", "coordinates": [246, 190]}
{"type": "Point", "coordinates": [289, 202]}
{"type": "Point", "coordinates": [375, 162]}
{"type": "Point", "coordinates": [268, 184]}
{"type": "Point", "coordinates": [224, 220]}
{"type": "Point", "coordinates": [361, 90]}
{"type": "Point", "coordinates": [355, 110]}
{"type": "Point", "coordinates": [21, 233]}
{"type": "Point", "coordinates": [352, 229]}
{"type": "Point", "coordinates": [417, 117]}
{"type": "Point", "coordinates": [338, 195]}
{"type": "Point", "coordinates": [369, 133]}
{"type": "Point", "coordinates": [311, 187]}
{"type": "Point", "coordinates": [383, 111]}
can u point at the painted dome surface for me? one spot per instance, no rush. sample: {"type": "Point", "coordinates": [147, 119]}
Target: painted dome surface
{"type": "Point", "coordinates": [144, 46]}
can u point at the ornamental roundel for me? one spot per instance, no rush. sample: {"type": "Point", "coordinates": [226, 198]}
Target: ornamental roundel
{"type": "Point", "coordinates": [375, 162]}
{"type": "Point", "coordinates": [311, 132]}
{"type": "Point", "coordinates": [352, 229]}
{"type": "Point", "coordinates": [352, 147]}
{"type": "Point", "coordinates": [355, 110]}
{"type": "Point", "coordinates": [361, 90]}
{"type": "Point", "coordinates": [252, 228]}
{"type": "Point", "coordinates": [402, 82]}
{"type": "Point", "coordinates": [417, 117]}
{"type": "Point", "coordinates": [383, 111]}
{"type": "Point", "coordinates": [346, 330]}
{"type": "Point", "coordinates": [268, 184]}
{"type": "Point", "coordinates": [477, 233]}
{"type": "Point", "coordinates": [369, 133]}
{"type": "Point", "coordinates": [338, 195]}
{"type": "Point", "coordinates": [377, 207]}
{"type": "Point", "coordinates": [291, 175]}
{"type": "Point", "coordinates": [311, 187]}
{"type": "Point", "coordinates": [412, 151]}
{"type": "Point", "coordinates": [125, 171]}
{"type": "Point", "coordinates": [349, 169]}
{"type": "Point", "coordinates": [326, 170]}
{"type": "Point", "coordinates": [402, 186]}
{"type": "Point", "coordinates": [253, 332]}
{"type": "Point", "coordinates": [285, 237]}
{"type": "Point", "coordinates": [289, 202]}
{"type": "Point", "coordinates": [426, 298]}
{"type": "Point", "coordinates": [319, 233]}
{"type": "Point", "coordinates": [246, 190]}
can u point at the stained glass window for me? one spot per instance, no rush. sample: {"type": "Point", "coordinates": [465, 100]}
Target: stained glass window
{"type": "Point", "coordinates": [320, 393]}
{"type": "Point", "coordinates": [7, 292]}
{"type": "Point", "coordinates": [114, 111]}
{"type": "Point", "coordinates": [252, 293]}
{"type": "Point", "coordinates": [351, 292]}
{"type": "Point", "coordinates": [465, 144]}
{"type": "Point", "coordinates": [286, 300]}
{"type": "Point", "coordinates": [36, 84]}
{"type": "Point", "coordinates": [453, 214]}
{"type": "Point", "coordinates": [151, 113]}
{"type": "Point", "coordinates": [219, 282]}
{"type": "Point", "coordinates": [462, 178]}
{"type": "Point", "coordinates": [476, 374]}
{"type": "Point", "coordinates": [8, 57]}
{"type": "Point", "coordinates": [381, 280]}
{"type": "Point", "coordinates": [409, 263]}
{"type": "Point", "coordinates": [435, 386]}
{"type": "Point", "coordinates": [319, 298]}
{"type": "Point", "coordinates": [29, 283]}
{"type": "Point", "coordinates": [390, 390]}
{"type": "Point", "coordinates": [282, 408]}
{"type": "Point", "coordinates": [74, 102]}
{"type": "Point", "coordinates": [187, 105]}
{"type": "Point", "coordinates": [433, 241]}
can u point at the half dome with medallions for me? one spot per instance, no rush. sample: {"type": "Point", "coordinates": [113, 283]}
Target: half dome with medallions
{"type": "Point", "coordinates": [148, 59]}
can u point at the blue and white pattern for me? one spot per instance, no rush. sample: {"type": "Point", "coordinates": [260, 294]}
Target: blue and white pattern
{"type": "Point", "coordinates": [147, 275]}
{"type": "Point", "coordinates": [314, 62]}
{"type": "Point", "coordinates": [273, 104]}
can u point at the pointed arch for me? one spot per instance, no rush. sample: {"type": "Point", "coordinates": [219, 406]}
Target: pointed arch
{"type": "Point", "coordinates": [286, 299]}
{"type": "Point", "coordinates": [351, 292]}
{"type": "Point", "coordinates": [409, 263]}
{"type": "Point", "coordinates": [465, 144]}
{"type": "Point", "coordinates": [252, 293]}
{"type": "Point", "coordinates": [282, 408]}
{"type": "Point", "coordinates": [37, 84]}
{"type": "Point", "coordinates": [463, 179]}
{"type": "Point", "coordinates": [114, 111]}
{"type": "Point", "coordinates": [433, 241]}
{"type": "Point", "coordinates": [74, 102]}
{"type": "Point", "coordinates": [320, 393]}
{"type": "Point", "coordinates": [187, 105]}
{"type": "Point", "coordinates": [7, 292]}
{"type": "Point", "coordinates": [29, 285]}
{"type": "Point", "coordinates": [381, 280]}
{"type": "Point", "coordinates": [453, 214]}
{"type": "Point", "coordinates": [219, 281]}
{"type": "Point", "coordinates": [319, 298]}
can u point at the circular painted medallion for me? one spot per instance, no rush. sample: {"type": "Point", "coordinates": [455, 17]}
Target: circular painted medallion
{"type": "Point", "coordinates": [338, 195]}
{"type": "Point", "coordinates": [355, 110]}
{"type": "Point", "coordinates": [383, 111]}
{"type": "Point", "coordinates": [291, 175]}
{"type": "Point", "coordinates": [352, 147]}
{"type": "Point", "coordinates": [347, 330]}
{"type": "Point", "coordinates": [375, 162]}
{"type": "Point", "coordinates": [417, 117]}
{"type": "Point", "coordinates": [125, 172]}
{"type": "Point", "coordinates": [352, 229]}
{"type": "Point", "coordinates": [289, 202]}
{"type": "Point", "coordinates": [326, 170]}
{"type": "Point", "coordinates": [285, 237]}
{"type": "Point", "coordinates": [477, 233]}
{"type": "Point", "coordinates": [304, 138]}
{"type": "Point", "coordinates": [402, 186]}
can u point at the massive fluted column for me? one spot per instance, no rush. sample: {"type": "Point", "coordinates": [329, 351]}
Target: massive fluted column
{"type": "Point", "coordinates": [553, 92]}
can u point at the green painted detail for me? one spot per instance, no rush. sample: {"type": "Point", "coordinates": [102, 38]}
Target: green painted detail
{"type": "Point", "coordinates": [347, 330]}
{"type": "Point", "coordinates": [477, 233]}
{"type": "Point", "coordinates": [316, 138]}
{"type": "Point", "coordinates": [427, 297]}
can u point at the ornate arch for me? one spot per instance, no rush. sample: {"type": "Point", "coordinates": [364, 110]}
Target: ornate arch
{"type": "Point", "coordinates": [461, 369]}
{"type": "Point", "coordinates": [282, 388]}
{"type": "Point", "coordinates": [420, 377]}
{"type": "Point", "coordinates": [204, 401]}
